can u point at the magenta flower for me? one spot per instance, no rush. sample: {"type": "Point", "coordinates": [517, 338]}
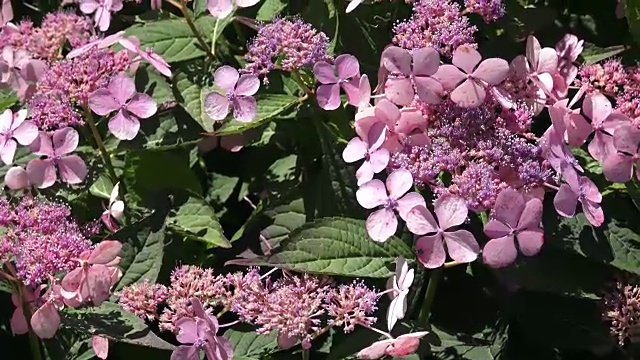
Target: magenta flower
{"type": "Point", "coordinates": [121, 95]}
{"type": "Point", "coordinates": [461, 245]}
{"type": "Point", "coordinates": [403, 345]}
{"type": "Point", "coordinates": [538, 65]}
{"type": "Point", "coordinates": [400, 284]}
{"type": "Point", "coordinates": [604, 121]}
{"type": "Point", "coordinates": [102, 10]}
{"type": "Point", "coordinates": [568, 122]}
{"type": "Point", "coordinates": [368, 147]}
{"type": "Point", "coordinates": [468, 87]}
{"type": "Point", "coordinates": [579, 188]}
{"type": "Point", "coordinates": [618, 167]}
{"type": "Point", "coordinates": [513, 218]}
{"type": "Point", "coordinates": [222, 8]}
{"type": "Point", "coordinates": [98, 272]}
{"type": "Point", "coordinates": [11, 62]}
{"type": "Point", "coordinates": [57, 148]}
{"type": "Point", "coordinates": [348, 77]}
{"type": "Point", "coordinates": [13, 130]}
{"type": "Point", "coordinates": [200, 333]}
{"type": "Point", "coordinates": [382, 224]}
{"type": "Point", "coordinates": [148, 55]}
{"type": "Point", "coordinates": [408, 69]}
{"type": "Point", "coordinates": [238, 94]}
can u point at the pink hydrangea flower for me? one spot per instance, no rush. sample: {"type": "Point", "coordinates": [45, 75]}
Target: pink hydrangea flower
{"type": "Point", "coordinates": [382, 224]}
{"type": "Point", "coordinates": [147, 54]}
{"type": "Point", "coordinates": [199, 333]}
{"type": "Point", "coordinates": [618, 167]}
{"type": "Point", "coordinates": [222, 8]}
{"type": "Point", "coordinates": [347, 77]}
{"type": "Point", "coordinates": [57, 150]}
{"type": "Point", "coordinates": [238, 94]}
{"type": "Point", "coordinates": [100, 345]}
{"type": "Point", "coordinates": [400, 284]}
{"type": "Point", "coordinates": [514, 218]}
{"type": "Point", "coordinates": [558, 153]}
{"type": "Point", "coordinates": [403, 345]}
{"type": "Point", "coordinates": [408, 70]}
{"type": "Point", "coordinates": [17, 178]}
{"type": "Point", "coordinates": [13, 130]}
{"type": "Point", "coordinates": [568, 50]}
{"type": "Point", "coordinates": [46, 320]}
{"type": "Point", "coordinates": [468, 87]}
{"type": "Point", "coordinates": [100, 43]}
{"type": "Point", "coordinates": [461, 244]}
{"type": "Point", "coordinates": [569, 122]}
{"type": "Point", "coordinates": [102, 10]}
{"type": "Point", "coordinates": [115, 210]}
{"type": "Point", "coordinates": [97, 274]}
{"type": "Point", "coordinates": [18, 321]}
{"type": "Point", "coordinates": [579, 188]}
{"type": "Point", "coordinates": [19, 71]}
{"type": "Point", "coordinates": [120, 95]}
{"type": "Point", "coordinates": [604, 122]}
{"type": "Point", "coordinates": [368, 146]}
{"type": "Point", "coordinates": [538, 65]}
{"type": "Point", "coordinates": [6, 14]}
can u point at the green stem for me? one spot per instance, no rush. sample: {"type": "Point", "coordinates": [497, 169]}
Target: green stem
{"type": "Point", "coordinates": [305, 354]}
{"type": "Point", "coordinates": [434, 279]}
{"type": "Point", "coordinates": [298, 79]}
{"type": "Point", "coordinates": [182, 6]}
{"type": "Point", "coordinates": [100, 143]}
{"type": "Point", "coordinates": [215, 37]}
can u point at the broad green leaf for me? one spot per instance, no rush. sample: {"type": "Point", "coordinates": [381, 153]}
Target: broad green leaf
{"type": "Point", "coordinates": [197, 220]}
{"type": "Point", "coordinates": [270, 9]}
{"type": "Point", "coordinates": [221, 188]}
{"type": "Point", "coordinates": [632, 13]}
{"type": "Point", "coordinates": [190, 88]}
{"type": "Point", "coordinates": [269, 106]}
{"type": "Point", "coordinates": [153, 84]}
{"type": "Point", "coordinates": [145, 241]}
{"type": "Point", "coordinates": [593, 54]}
{"type": "Point", "coordinates": [8, 98]}
{"type": "Point", "coordinates": [102, 187]}
{"type": "Point", "coordinates": [338, 246]}
{"type": "Point", "coordinates": [247, 344]}
{"type": "Point", "coordinates": [634, 192]}
{"type": "Point", "coordinates": [451, 345]}
{"type": "Point", "coordinates": [173, 39]}
{"type": "Point", "coordinates": [111, 321]}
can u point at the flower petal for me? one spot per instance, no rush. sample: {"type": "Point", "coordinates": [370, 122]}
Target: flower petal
{"type": "Point", "coordinates": [627, 138]}
{"type": "Point", "coordinates": [508, 207]}
{"type": "Point", "coordinates": [105, 252]}
{"type": "Point", "coordinates": [469, 94]}
{"type": "Point", "coordinates": [220, 9]}
{"type": "Point", "coordinates": [601, 146]}
{"type": "Point", "coordinates": [225, 77]}
{"type": "Point", "coordinates": [461, 245]}
{"type": "Point", "coordinates": [379, 160]}
{"type": "Point", "coordinates": [65, 140]}
{"type": "Point", "coordinates": [17, 178]}
{"type": "Point", "coordinates": [398, 183]}
{"type": "Point", "coordinates": [18, 322]}
{"type": "Point", "coordinates": [597, 107]}
{"type": "Point", "coordinates": [325, 73]}
{"type": "Point", "coordinates": [408, 202]}
{"type": "Point", "coordinates": [449, 76]}
{"type": "Point", "coordinates": [355, 150]}
{"type": "Point", "coordinates": [593, 212]}
{"type": "Point", "coordinates": [618, 168]}
{"type": "Point", "coordinates": [396, 60]}
{"type": "Point", "coordinates": [26, 133]}
{"type": "Point", "coordinates": [450, 210]}
{"type": "Point", "coordinates": [565, 201]}
{"type": "Point", "coordinates": [420, 221]}
{"type": "Point", "coordinates": [347, 66]}
{"type": "Point", "coordinates": [72, 169]}
{"type": "Point", "coordinates": [100, 345]}
{"type": "Point", "coordinates": [124, 126]}
{"type": "Point", "coordinates": [492, 71]}
{"type": "Point", "coordinates": [496, 229]}
{"type": "Point", "coordinates": [102, 102]}
{"type": "Point", "coordinates": [364, 173]}
{"type": "Point", "coordinates": [371, 194]}
{"type": "Point", "coordinates": [216, 106]}
{"type": "Point", "coordinates": [8, 151]}
{"type": "Point", "coordinates": [425, 61]}
{"type": "Point", "coordinates": [547, 61]}
{"type": "Point", "coordinates": [187, 330]}
{"type": "Point", "coordinates": [184, 352]}
{"type": "Point", "coordinates": [245, 108]}
{"type": "Point", "coordinates": [42, 173]}
{"type": "Point", "coordinates": [399, 91]}
{"type": "Point", "coordinates": [466, 58]}
{"type": "Point", "coordinates": [381, 225]}
{"type": "Point", "coordinates": [430, 251]}
{"type": "Point", "coordinates": [328, 96]}
{"type": "Point", "coordinates": [45, 321]}
{"type": "Point", "coordinates": [429, 89]}
{"type": "Point", "coordinates": [500, 252]}
{"type": "Point", "coordinates": [142, 106]}
{"type": "Point", "coordinates": [530, 241]}
{"type": "Point", "coordinates": [121, 88]}
{"type": "Point", "coordinates": [531, 215]}
{"type": "Point", "coordinates": [247, 85]}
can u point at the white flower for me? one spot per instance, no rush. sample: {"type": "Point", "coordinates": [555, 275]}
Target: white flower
{"type": "Point", "coordinates": [400, 283]}
{"type": "Point", "coordinates": [352, 5]}
{"type": "Point", "coordinates": [114, 211]}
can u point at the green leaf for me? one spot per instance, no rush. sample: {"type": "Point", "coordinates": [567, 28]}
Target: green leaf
{"type": "Point", "coordinates": [632, 13]}
{"type": "Point", "coordinates": [247, 344]}
{"type": "Point", "coordinates": [173, 39]}
{"type": "Point", "coordinates": [634, 192]}
{"type": "Point", "coordinates": [221, 188]}
{"type": "Point", "coordinates": [197, 220]}
{"type": "Point", "coordinates": [145, 242]}
{"type": "Point", "coordinates": [111, 321]}
{"type": "Point", "coordinates": [338, 246]}
{"type": "Point", "coordinates": [269, 106]}
{"type": "Point", "coordinates": [102, 187]}
{"type": "Point", "coordinates": [190, 89]}
{"type": "Point", "coordinates": [593, 54]}
{"type": "Point", "coordinates": [8, 98]}
{"type": "Point", "coordinates": [153, 84]}
{"type": "Point", "coordinates": [269, 9]}
{"type": "Point", "coordinates": [447, 345]}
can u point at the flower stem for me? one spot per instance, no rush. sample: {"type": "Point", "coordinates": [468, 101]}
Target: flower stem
{"type": "Point", "coordinates": [295, 75]}
{"type": "Point", "coordinates": [182, 6]}
{"type": "Point", "coordinates": [214, 37]}
{"type": "Point", "coordinates": [34, 342]}
{"type": "Point", "coordinates": [305, 354]}
{"type": "Point", "coordinates": [434, 279]}
{"type": "Point", "coordinates": [100, 143]}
